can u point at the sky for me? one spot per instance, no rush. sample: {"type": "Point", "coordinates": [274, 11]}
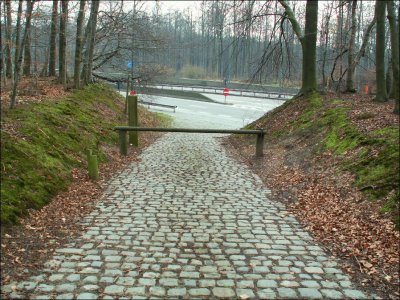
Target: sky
{"type": "Point", "coordinates": [175, 5]}
{"type": "Point", "coordinates": [180, 5]}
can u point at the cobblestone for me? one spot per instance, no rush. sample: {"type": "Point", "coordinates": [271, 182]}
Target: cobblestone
{"type": "Point", "coordinates": [188, 221]}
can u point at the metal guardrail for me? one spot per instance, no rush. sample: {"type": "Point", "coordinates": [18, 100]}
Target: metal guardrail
{"type": "Point", "coordinates": [206, 90]}
{"type": "Point", "coordinates": [217, 90]}
{"type": "Point", "coordinates": [158, 104]}
{"type": "Point", "coordinates": [123, 141]}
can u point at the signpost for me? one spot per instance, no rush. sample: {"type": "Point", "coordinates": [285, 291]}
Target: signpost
{"type": "Point", "coordinates": [226, 93]}
{"type": "Point", "coordinates": [128, 83]}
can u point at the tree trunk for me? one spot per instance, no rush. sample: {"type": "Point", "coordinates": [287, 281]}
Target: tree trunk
{"type": "Point", "coordinates": [397, 100]}
{"type": "Point", "coordinates": [53, 35]}
{"type": "Point", "coordinates": [361, 52]}
{"type": "Point", "coordinates": [20, 46]}
{"type": "Point", "coordinates": [62, 62]}
{"type": "Point", "coordinates": [18, 35]}
{"type": "Point", "coordinates": [326, 35]}
{"type": "Point", "coordinates": [380, 8]}
{"type": "Point", "coordinates": [2, 60]}
{"type": "Point", "coordinates": [87, 68]}
{"type": "Point", "coordinates": [350, 63]}
{"type": "Point", "coordinates": [309, 43]}
{"type": "Point", "coordinates": [16, 55]}
{"type": "Point", "coordinates": [27, 53]}
{"type": "Point", "coordinates": [339, 46]}
{"type": "Point", "coordinates": [79, 43]}
{"type": "Point", "coordinates": [44, 70]}
{"type": "Point", "coordinates": [389, 77]}
{"type": "Point", "coordinates": [8, 22]}
{"type": "Point", "coordinates": [394, 39]}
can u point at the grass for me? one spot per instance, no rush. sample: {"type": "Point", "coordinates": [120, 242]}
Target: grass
{"type": "Point", "coordinates": [165, 119]}
{"type": "Point", "coordinates": [50, 139]}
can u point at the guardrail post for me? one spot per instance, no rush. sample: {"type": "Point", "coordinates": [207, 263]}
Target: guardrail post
{"type": "Point", "coordinates": [133, 119]}
{"type": "Point", "coordinates": [123, 142]}
{"type": "Point", "coordinates": [260, 144]}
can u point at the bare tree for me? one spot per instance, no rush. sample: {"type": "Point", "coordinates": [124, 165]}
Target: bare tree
{"type": "Point", "coordinates": [394, 38]}
{"type": "Point", "coordinates": [27, 52]}
{"type": "Point", "coordinates": [62, 56]}
{"type": "Point", "coordinates": [79, 43]}
{"type": "Point", "coordinates": [350, 58]}
{"type": "Point", "coordinates": [381, 95]}
{"type": "Point", "coordinates": [325, 38]}
{"type": "Point", "coordinates": [20, 46]}
{"type": "Point", "coordinates": [53, 36]}
{"type": "Point", "coordinates": [91, 38]}
{"type": "Point", "coordinates": [308, 41]}
{"type": "Point", "coordinates": [2, 60]}
{"type": "Point", "coordinates": [8, 23]}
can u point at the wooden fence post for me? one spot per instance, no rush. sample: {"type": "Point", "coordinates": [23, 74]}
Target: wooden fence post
{"type": "Point", "coordinates": [93, 167]}
{"type": "Point", "coordinates": [123, 143]}
{"type": "Point", "coordinates": [88, 154]}
{"type": "Point", "coordinates": [133, 119]}
{"type": "Point", "coordinates": [260, 144]}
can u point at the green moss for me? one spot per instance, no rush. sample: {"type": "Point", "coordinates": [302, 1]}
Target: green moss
{"type": "Point", "coordinates": [308, 116]}
{"type": "Point", "coordinates": [374, 158]}
{"type": "Point", "coordinates": [341, 135]}
{"type": "Point", "coordinates": [53, 138]}
{"type": "Point", "coordinates": [164, 118]}
{"type": "Point", "coordinates": [393, 205]}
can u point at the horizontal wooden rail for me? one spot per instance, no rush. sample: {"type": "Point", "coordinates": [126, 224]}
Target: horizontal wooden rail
{"type": "Point", "coordinates": [123, 143]}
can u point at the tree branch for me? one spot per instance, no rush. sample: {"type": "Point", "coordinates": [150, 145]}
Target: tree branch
{"type": "Point", "coordinates": [290, 15]}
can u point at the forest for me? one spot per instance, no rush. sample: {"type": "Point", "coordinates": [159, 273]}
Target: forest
{"type": "Point", "coordinates": [319, 209]}
{"type": "Point", "coordinates": [351, 46]}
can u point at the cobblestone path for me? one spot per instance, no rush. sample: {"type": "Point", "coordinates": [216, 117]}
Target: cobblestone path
{"type": "Point", "coordinates": [188, 221]}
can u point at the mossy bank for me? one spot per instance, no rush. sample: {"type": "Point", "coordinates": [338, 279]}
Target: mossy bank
{"type": "Point", "coordinates": [42, 142]}
{"type": "Point", "coordinates": [332, 125]}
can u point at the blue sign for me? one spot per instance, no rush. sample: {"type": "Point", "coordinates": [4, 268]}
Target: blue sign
{"type": "Point", "coordinates": [130, 65]}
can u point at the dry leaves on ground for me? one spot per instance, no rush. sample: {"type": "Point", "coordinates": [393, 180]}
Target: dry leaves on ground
{"type": "Point", "coordinates": [325, 200]}
{"type": "Point", "coordinates": [25, 247]}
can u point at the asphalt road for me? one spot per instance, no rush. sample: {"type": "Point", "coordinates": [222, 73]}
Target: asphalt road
{"type": "Point", "coordinates": [235, 114]}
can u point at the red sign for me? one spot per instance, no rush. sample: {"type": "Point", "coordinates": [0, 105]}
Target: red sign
{"type": "Point", "coordinates": [132, 93]}
{"type": "Point", "coordinates": [226, 92]}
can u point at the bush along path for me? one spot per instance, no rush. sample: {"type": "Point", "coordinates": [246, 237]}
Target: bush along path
{"type": "Point", "coordinates": [188, 221]}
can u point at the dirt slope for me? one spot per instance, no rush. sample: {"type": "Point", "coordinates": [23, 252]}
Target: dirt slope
{"type": "Point", "coordinates": [334, 160]}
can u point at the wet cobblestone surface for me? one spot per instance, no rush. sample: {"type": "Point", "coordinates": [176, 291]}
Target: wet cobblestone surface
{"type": "Point", "coordinates": [189, 221]}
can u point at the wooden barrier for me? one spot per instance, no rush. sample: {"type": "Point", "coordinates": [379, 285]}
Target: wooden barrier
{"type": "Point", "coordinates": [93, 166]}
{"type": "Point", "coordinates": [123, 144]}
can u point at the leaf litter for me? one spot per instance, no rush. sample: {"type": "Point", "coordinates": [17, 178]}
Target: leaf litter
{"type": "Point", "coordinates": [325, 199]}
{"type": "Point", "coordinates": [27, 246]}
